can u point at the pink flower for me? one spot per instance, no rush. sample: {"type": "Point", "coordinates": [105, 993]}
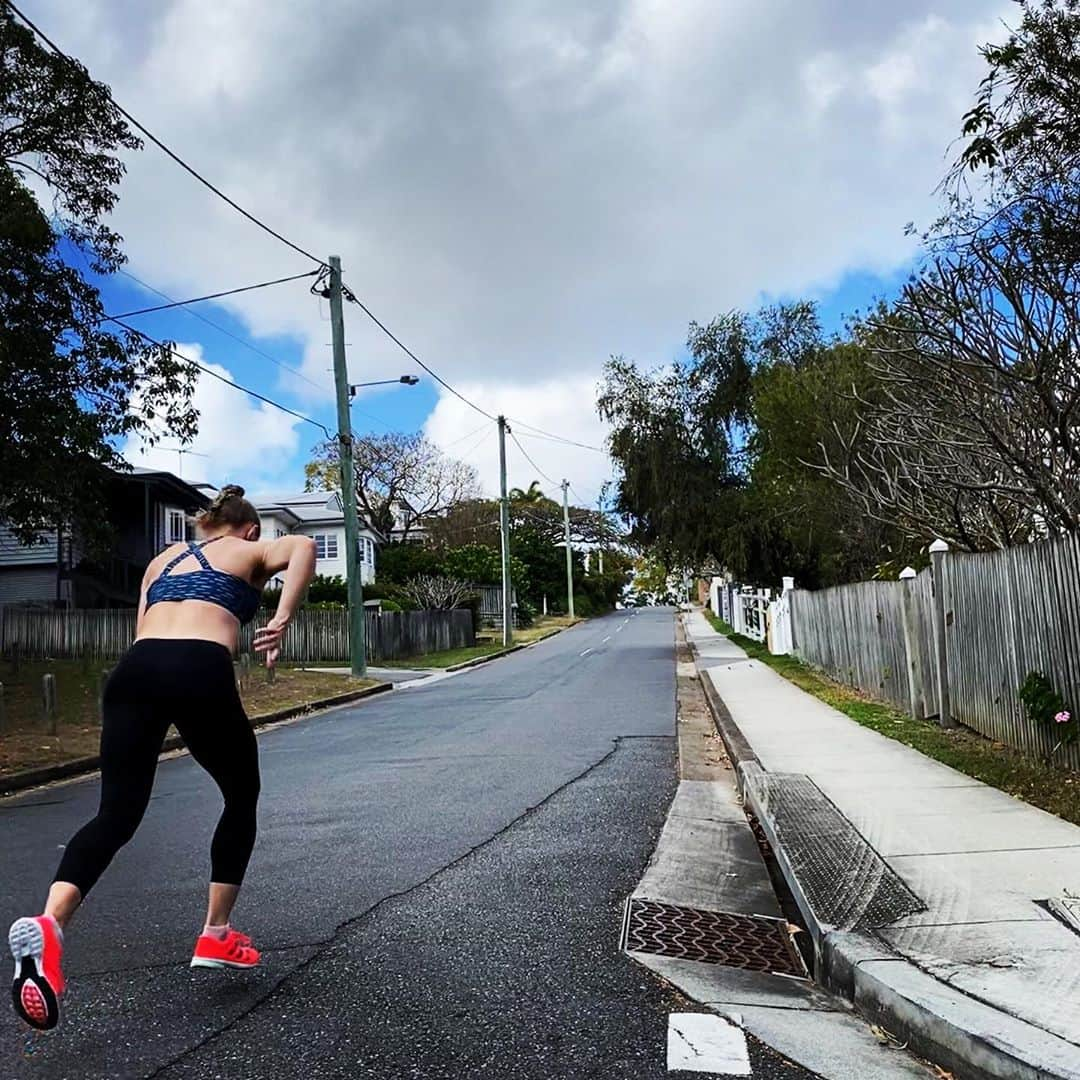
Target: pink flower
{"type": "Point", "coordinates": [1063, 717]}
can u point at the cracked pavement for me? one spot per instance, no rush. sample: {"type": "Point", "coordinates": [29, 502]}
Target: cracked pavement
{"type": "Point", "coordinates": [438, 888]}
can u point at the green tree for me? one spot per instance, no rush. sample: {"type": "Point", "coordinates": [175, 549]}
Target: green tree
{"type": "Point", "coordinates": [482, 565]}
{"type": "Point", "coordinates": [70, 389]}
{"type": "Point", "coordinates": [532, 494]}
{"type": "Point", "coordinates": [398, 563]}
{"type": "Point", "coordinates": [470, 521]}
{"type": "Point", "coordinates": [673, 449]}
{"type": "Point", "coordinates": [795, 518]}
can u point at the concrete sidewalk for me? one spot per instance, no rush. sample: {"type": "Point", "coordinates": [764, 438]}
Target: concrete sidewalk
{"type": "Point", "coordinates": [922, 886]}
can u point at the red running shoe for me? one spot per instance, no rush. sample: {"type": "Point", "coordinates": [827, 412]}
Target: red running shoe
{"type": "Point", "coordinates": [36, 945]}
{"type": "Point", "coordinates": [234, 950]}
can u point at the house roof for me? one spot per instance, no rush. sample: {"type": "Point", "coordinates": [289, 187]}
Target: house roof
{"type": "Point", "coordinates": [311, 508]}
{"type": "Point", "coordinates": [185, 494]}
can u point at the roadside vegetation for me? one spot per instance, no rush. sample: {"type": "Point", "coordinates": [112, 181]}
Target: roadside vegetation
{"type": "Point", "coordinates": [25, 741]}
{"type": "Point", "coordinates": [1040, 783]}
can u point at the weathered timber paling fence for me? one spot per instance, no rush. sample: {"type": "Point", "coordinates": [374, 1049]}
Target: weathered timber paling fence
{"type": "Point", "coordinates": [1002, 615]}
{"type": "Point", "coordinates": [856, 633]}
{"type": "Point", "coordinates": [313, 635]}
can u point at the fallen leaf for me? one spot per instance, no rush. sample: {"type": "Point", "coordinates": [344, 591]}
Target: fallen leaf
{"type": "Point", "coordinates": [887, 1038]}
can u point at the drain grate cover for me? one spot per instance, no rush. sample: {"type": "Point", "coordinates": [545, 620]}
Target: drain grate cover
{"type": "Point", "coordinates": [847, 883]}
{"type": "Point", "coordinates": [750, 942]}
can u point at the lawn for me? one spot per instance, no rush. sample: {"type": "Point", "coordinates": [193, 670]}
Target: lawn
{"type": "Point", "coordinates": [541, 627]}
{"type": "Point", "coordinates": [1044, 785]}
{"type": "Point", "coordinates": [25, 741]}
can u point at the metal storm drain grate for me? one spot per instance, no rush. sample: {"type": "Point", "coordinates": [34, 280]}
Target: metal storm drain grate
{"type": "Point", "coordinates": [750, 942]}
{"type": "Point", "coordinates": [845, 880]}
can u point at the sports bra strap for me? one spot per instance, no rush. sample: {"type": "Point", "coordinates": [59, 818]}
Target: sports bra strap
{"type": "Point", "coordinates": [195, 549]}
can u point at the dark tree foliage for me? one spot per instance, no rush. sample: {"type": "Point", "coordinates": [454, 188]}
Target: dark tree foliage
{"type": "Point", "coordinates": [70, 388]}
{"type": "Point", "coordinates": [1023, 130]}
{"type": "Point", "coordinates": [674, 456]}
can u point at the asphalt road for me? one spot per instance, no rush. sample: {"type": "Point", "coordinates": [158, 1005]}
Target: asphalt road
{"type": "Point", "coordinates": [437, 888]}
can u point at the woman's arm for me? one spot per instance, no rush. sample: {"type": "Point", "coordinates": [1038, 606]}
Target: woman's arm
{"type": "Point", "coordinates": [142, 602]}
{"type": "Point", "coordinates": [296, 556]}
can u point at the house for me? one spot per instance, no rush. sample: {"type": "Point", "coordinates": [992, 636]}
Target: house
{"type": "Point", "coordinates": [408, 525]}
{"type": "Point", "coordinates": [320, 515]}
{"type": "Point", "coordinates": [147, 509]}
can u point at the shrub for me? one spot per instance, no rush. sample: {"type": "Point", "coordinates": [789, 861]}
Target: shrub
{"type": "Point", "coordinates": [400, 562]}
{"type": "Point", "coordinates": [526, 614]}
{"type": "Point", "coordinates": [324, 589]}
{"type": "Point", "coordinates": [389, 605]}
{"type": "Point", "coordinates": [1046, 707]}
{"type": "Point", "coordinates": [584, 607]}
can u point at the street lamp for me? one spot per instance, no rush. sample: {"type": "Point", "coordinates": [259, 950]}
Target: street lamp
{"type": "Point", "coordinates": [407, 380]}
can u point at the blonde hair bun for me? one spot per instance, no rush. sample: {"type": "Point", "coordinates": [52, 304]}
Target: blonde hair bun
{"type": "Point", "coordinates": [229, 507]}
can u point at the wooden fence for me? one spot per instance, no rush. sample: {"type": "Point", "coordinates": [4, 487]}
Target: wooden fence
{"type": "Point", "coordinates": [313, 635]}
{"type": "Point", "coordinates": [985, 621]}
{"type": "Point", "coordinates": [856, 634]}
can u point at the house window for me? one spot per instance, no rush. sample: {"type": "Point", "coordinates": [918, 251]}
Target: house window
{"type": "Point", "coordinates": [279, 533]}
{"type": "Point", "coordinates": [326, 546]}
{"type": "Point", "coordinates": [176, 527]}
{"type": "Point", "coordinates": [369, 551]}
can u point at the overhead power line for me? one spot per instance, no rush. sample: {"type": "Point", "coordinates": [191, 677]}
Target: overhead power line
{"type": "Point", "coordinates": [456, 442]}
{"type": "Point", "coordinates": [212, 296]}
{"type": "Point", "coordinates": [354, 299]}
{"type": "Point", "coordinates": [321, 263]}
{"type": "Point", "coordinates": [228, 333]}
{"type": "Point", "coordinates": [540, 433]}
{"type": "Point", "coordinates": [514, 439]}
{"type": "Point", "coordinates": [221, 378]}
{"type": "Point", "coordinates": [171, 153]}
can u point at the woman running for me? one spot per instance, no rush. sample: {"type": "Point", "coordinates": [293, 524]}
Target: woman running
{"type": "Point", "coordinates": [179, 671]}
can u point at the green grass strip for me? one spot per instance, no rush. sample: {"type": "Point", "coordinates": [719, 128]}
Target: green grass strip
{"type": "Point", "coordinates": [1047, 786]}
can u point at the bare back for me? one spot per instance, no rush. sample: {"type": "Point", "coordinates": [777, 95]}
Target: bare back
{"type": "Point", "coordinates": [245, 559]}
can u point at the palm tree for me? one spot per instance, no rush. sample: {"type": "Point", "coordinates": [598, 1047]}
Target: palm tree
{"type": "Point", "coordinates": [533, 495]}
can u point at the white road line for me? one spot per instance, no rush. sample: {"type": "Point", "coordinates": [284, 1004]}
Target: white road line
{"type": "Point", "coordinates": [618, 629]}
{"type": "Point", "coordinates": [585, 653]}
{"type": "Point", "coordinates": [606, 640]}
{"type": "Point", "coordinates": [705, 1042]}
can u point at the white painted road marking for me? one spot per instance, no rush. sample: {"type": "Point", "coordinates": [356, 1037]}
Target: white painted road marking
{"type": "Point", "coordinates": [585, 653]}
{"type": "Point", "coordinates": [606, 640]}
{"type": "Point", "coordinates": [705, 1042]}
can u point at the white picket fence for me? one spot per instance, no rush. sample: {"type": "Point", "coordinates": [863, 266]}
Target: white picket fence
{"type": "Point", "coordinates": [953, 642]}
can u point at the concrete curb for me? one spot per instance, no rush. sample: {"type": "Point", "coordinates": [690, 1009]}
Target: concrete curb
{"type": "Point", "coordinates": [939, 1023]}
{"type": "Point", "coordinates": [29, 778]}
{"type": "Point", "coordinates": [476, 661]}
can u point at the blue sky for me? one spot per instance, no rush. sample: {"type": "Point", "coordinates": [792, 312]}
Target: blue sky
{"type": "Point", "coordinates": [377, 410]}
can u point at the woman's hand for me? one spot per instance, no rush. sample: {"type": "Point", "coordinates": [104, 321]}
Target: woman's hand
{"type": "Point", "coordinates": [268, 638]}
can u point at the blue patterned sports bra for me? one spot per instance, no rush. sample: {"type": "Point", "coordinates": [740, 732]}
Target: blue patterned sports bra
{"type": "Point", "coordinates": [219, 587]}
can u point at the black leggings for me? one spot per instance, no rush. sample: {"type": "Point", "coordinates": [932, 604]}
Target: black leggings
{"type": "Point", "coordinates": [189, 683]}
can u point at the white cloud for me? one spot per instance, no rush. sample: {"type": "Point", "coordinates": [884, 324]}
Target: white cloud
{"type": "Point", "coordinates": [564, 405]}
{"type": "Point", "coordinates": [521, 189]}
{"type": "Point", "coordinates": [240, 440]}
